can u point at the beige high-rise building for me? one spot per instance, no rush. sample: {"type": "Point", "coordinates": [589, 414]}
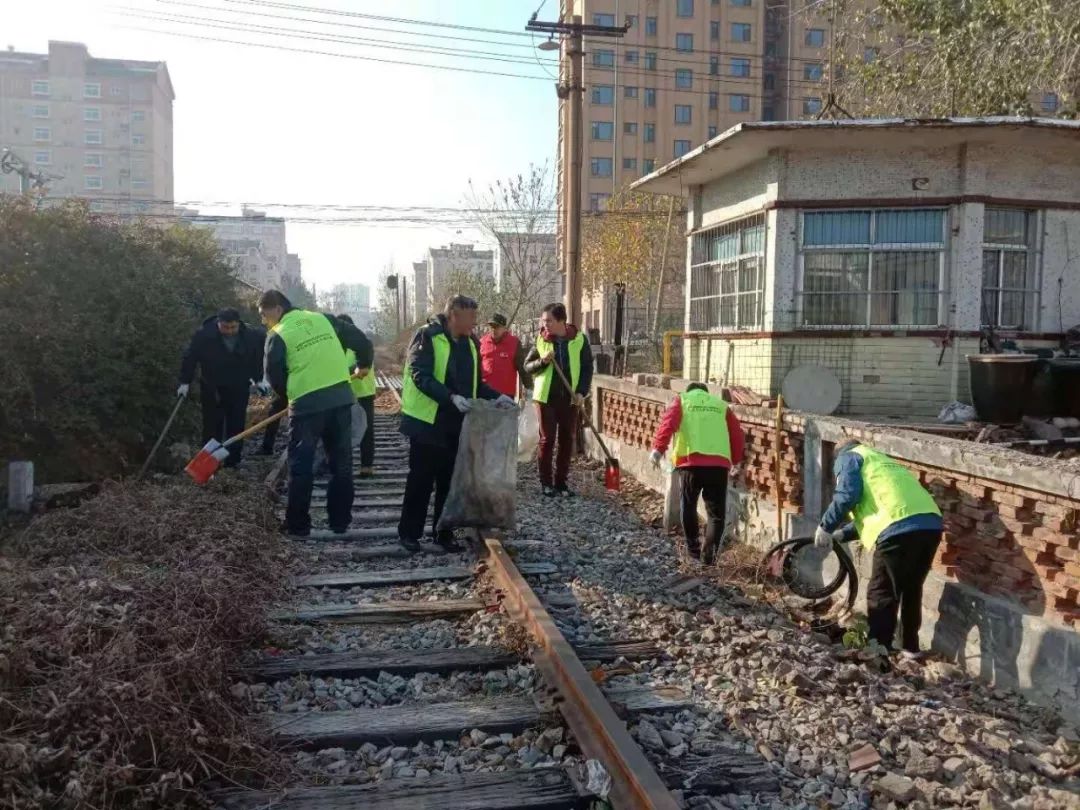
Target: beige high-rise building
{"type": "Point", "coordinates": [103, 126]}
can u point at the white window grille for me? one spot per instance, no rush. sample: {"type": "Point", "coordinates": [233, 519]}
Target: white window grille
{"type": "Point", "coordinates": [727, 276]}
{"type": "Point", "coordinates": [872, 268]}
{"type": "Point", "coordinates": [1010, 286]}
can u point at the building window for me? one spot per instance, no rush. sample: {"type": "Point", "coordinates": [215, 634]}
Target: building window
{"type": "Point", "coordinates": [650, 133]}
{"type": "Point", "coordinates": [138, 115]}
{"type": "Point", "coordinates": [741, 32]}
{"type": "Point", "coordinates": [681, 148]}
{"type": "Point", "coordinates": [93, 160]}
{"type": "Point", "coordinates": [684, 8]}
{"type": "Point", "coordinates": [684, 43]}
{"type": "Point", "coordinates": [714, 65]}
{"type": "Point", "coordinates": [1050, 102]}
{"type": "Point", "coordinates": [39, 87]}
{"type": "Point", "coordinates": [603, 58]}
{"type": "Point", "coordinates": [811, 105]}
{"type": "Point", "coordinates": [631, 20]}
{"type": "Point", "coordinates": [815, 37]}
{"type": "Point", "coordinates": [91, 114]}
{"type": "Point", "coordinates": [602, 130]}
{"type": "Point", "coordinates": [727, 276]}
{"type": "Point", "coordinates": [603, 94]}
{"type": "Point", "coordinates": [770, 81]}
{"type": "Point", "coordinates": [43, 158]}
{"type": "Point", "coordinates": [1009, 285]}
{"type": "Point", "coordinates": [714, 101]}
{"type": "Point", "coordinates": [738, 102]}
{"type": "Point", "coordinates": [684, 78]}
{"type": "Point", "coordinates": [42, 134]}
{"type": "Point", "coordinates": [713, 131]}
{"type": "Point", "coordinates": [742, 3]}
{"type": "Point", "coordinates": [648, 165]}
{"type": "Point", "coordinates": [650, 60]}
{"type": "Point", "coordinates": [629, 128]}
{"type": "Point", "coordinates": [714, 30]}
{"type": "Point", "coordinates": [92, 136]}
{"type": "Point", "coordinates": [872, 268]}
{"type": "Point", "coordinates": [630, 92]}
{"type": "Point", "coordinates": [41, 111]}
{"type": "Point", "coordinates": [92, 181]}
{"type": "Point", "coordinates": [650, 96]}
{"type": "Point", "coordinates": [138, 139]}
{"type": "Point", "coordinates": [115, 90]}
{"type": "Point", "coordinates": [632, 57]}
{"type": "Point", "coordinates": [604, 19]}
{"type": "Point", "coordinates": [768, 113]}
{"type": "Point", "coordinates": [92, 90]}
{"type": "Point", "coordinates": [598, 201]}
{"type": "Point", "coordinates": [740, 68]}
{"type": "Point", "coordinates": [812, 71]}
{"type": "Point", "coordinates": [629, 163]}
{"type": "Point", "coordinates": [683, 113]}
{"type": "Point", "coordinates": [650, 26]}
{"type": "Point", "coordinates": [139, 182]}
{"type": "Point", "coordinates": [600, 167]}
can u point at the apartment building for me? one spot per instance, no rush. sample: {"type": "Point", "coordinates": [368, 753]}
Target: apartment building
{"type": "Point", "coordinates": [253, 242]}
{"type": "Point", "coordinates": [440, 263]}
{"type": "Point", "coordinates": [532, 256]}
{"type": "Point", "coordinates": [353, 300]}
{"type": "Point", "coordinates": [420, 310]}
{"type": "Point", "coordinates": [102, 128]}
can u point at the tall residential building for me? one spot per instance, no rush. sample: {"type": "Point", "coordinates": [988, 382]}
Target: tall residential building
{"type": "Point", "coordinates": [443, 261]}
{"type": "Point", "coordinates": [294, 270]}
{"type": "Point", "coordinates": [353, 300]}
{"type": "Point", "coordinates": [532, 255]}
{"type": "Point", "coordinates": [420, 292]}
{"type": "Point", "coordinates": [253, 242]}
{"type": "Point", "coordinates": [103, 127]}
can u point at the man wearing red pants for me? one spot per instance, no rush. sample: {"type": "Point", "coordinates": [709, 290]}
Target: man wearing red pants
{"type": "Point", "coordinates": [562, 343]}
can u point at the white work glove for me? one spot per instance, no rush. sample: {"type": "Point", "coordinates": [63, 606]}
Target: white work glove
{"type": "Point", "coordinates": [505, 402]}
{"type": "Point", "coordinates": [460, 403]}
{"type": "Point", "coordinates": [182, 391]}
{"type": "Point", "coordinates": [822, 538]}
{"type": "Point", "coordinates": [654, 458]}
{"type": "Point", "coordinates": [263, 388]}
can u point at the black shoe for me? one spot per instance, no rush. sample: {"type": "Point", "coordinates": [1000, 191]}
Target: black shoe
{"type": "Point", "coordinates": [708, 553]}
{"type": "Point", "coordinates": [366, 472]}
{"type": "Point", "coordinates": [565, 491]}
{"type": "Point", "coordinates": [339, 529]}
{"type": "Point", "coordinates": [548, 492]}
{"type": "Point", "coordinates": [409, 545]}
{"type": "Point", "coordinates": [448, 543]}
{"type": "Point", "coordinates": [298, 533]}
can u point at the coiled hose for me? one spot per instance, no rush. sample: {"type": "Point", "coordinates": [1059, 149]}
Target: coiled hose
{"type": "Point", "coordinates": [787, 551]}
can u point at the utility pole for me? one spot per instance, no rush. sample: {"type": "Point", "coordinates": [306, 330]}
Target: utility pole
{"type": "Point", "coordinates": [573, 51]}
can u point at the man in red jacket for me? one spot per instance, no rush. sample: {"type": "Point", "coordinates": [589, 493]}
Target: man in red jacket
{"type": "Point", "coordinates": [708, 441]}
{"type": "Point", "coordinates": [502, 358]}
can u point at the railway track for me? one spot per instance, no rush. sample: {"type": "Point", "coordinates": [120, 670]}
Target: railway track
{"type": "Point", "coordinates": [441, 680]}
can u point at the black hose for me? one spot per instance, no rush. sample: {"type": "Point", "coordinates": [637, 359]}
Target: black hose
{"type": "Point", "coordinates": [788, 574]}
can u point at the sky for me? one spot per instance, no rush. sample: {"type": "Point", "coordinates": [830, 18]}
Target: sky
{"type": "Point", "coordinates": [265, 125]}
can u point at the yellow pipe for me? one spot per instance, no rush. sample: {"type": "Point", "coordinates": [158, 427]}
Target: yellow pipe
{"type": "Point", "coordinates": [666, 342]}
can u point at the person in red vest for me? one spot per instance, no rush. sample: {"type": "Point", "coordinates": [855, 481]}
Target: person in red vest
{"type": "Point", "coordinates": [502, 358]}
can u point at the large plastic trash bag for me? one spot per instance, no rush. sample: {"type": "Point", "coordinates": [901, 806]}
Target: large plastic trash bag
{"type": "Point", "coordinates": [359, 423]}
{"type": "Point", "coordinates": [528, 432]}
{"type": "Point", "coordinates": [482, 488]}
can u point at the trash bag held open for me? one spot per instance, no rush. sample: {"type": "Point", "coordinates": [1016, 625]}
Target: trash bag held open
{"type": "Point", "coordinates": [482, 489]}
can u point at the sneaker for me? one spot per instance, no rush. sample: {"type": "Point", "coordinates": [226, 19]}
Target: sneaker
{"type": "Point", "coordinates": [912, 655]}
{"type": "Point", "coordinates": [549, 492]}
{"type": "Point", "coordinates": [409, 545]}
{"type": "Point", "coordinates": [367, 472]}
{"type": "Point", "coordinates": [565, 491]}
{"type": "Point", "coordinates": [447, 543]}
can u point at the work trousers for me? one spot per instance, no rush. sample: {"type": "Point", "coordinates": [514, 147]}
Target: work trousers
{"type": "Point", "coordinates": [430, 466]}
{"type": "Point", "coordinates": [709, 483]}
{"type": "Point", "coordinates": [270, 434]}
{"type": "Point", "coordinates": [224, 412]}
{"type": "Point", "coordinates": [558, 423]}
{"type": "Point", "coordinates": [899, 569]}
{"type": "Point", "coordinates": [334, 428]}
{"type": "Point", "coordinates": [367, 444]}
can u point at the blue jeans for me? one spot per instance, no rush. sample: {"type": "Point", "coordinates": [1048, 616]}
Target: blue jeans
{"type": "Point", "coordinates": [334, 428]}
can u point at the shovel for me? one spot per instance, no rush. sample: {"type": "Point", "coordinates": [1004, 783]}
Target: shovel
{"type": "Point", "coordinates": [612, 473]}
{"type": "Point", "coordinates": [209, 459]}
{"type": "Point", "coordinates": [160, 439]}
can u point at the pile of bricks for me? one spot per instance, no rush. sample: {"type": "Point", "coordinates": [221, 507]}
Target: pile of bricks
{"type": "Point", "coordinates": [760, 465]}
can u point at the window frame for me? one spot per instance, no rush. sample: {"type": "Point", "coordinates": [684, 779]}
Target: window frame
{"type": "Point", "coordinates": [680, 36]}
{"type": "Point", "coordinates": [42, 134]}
{"type": "Point", "coordinates": [648, 165]}
{"type": "Point", "coordinates": [48, 157]}
{"type": "Point", "coordinates": [684, 79]}
{"type": "Point", "coordinates": [599, 19]}
{"type": "Point", "coordinates": [603, 58]}
{"type": "Point", "coordinates": [748, 27]}
{"type": "Point", "coordinates": [650, 60]}
{"type": "Point", "coordinates": [597, 88]}
{"type": "Point", "coordinates": [96, 93]}
{"type": "Point", "coordinates": [688, 109]}
{"type": "Point", "coordinates": [40, 88]}
{"type": "Point", "coordinates": [807, 35]}
{"type": "Point", "coordinates": [630, 128]}
{"type": "Point", "coordinates": [810, 68]}
{"type": "Point", "coordinates": [650, 97]}
{"type": "Point", "coordinates": [743, 62]}
{"type": "Point", "coordinates": [595, 130]}
{"type": "Point", "coordinates": [87, 185]}
{"type": "Point", "coordinates": [629, 164]}
{"type": "Point", "coordinates": [630, 91]}
{"type": "Point", "coordinates": [744, 98]}
{"type": "Point", "coordinates": [648, 134]}
{"type": "Point", "coordinates": [595, 160]}
{"type": "Point", "coordinates": [1033, 272]}
{"type": "Point", "coordinates": [747, 304]}
{"type": "Point", "coordinates": [89, 113]}
{"type": "Point", "coordinates": [99, 163]}
{"type": "Point", "coordinates": [632, 56]}
{"type": "Point", "coordinates": [684, 9]}
{"type": "Point", "coordinates": [39, 107]}
{"type": "Point", "coordinates": [675, 147]}
{"type": "Point", "coordinates": [138, 139]}
{"type": "Point", "coordinates": [652, 26]}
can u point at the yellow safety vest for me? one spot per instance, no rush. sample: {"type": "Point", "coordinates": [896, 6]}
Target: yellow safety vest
{"type": "Point", "coordinates": [703, 428]}
{"type": "Point", "coordinates": [363, 387]}
{"type": "Point", "coordinates": [890, 492]}
{"type": "Point", "coordinates": [416, 403]}
{"type": "Point", "coordinates": [542, 380]}
{"type": "Point", "coordinates": [313, 354]}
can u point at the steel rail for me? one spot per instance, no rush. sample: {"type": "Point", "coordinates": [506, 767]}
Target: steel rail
{"type": "Point", "coordinates": [598, 730]}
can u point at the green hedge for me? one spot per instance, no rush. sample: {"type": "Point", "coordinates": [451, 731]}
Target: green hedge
{"type": "Point", "coordinates": [94, 314]}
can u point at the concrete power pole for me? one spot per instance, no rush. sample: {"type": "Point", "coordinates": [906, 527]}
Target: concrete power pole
{"type": "Point", "coordinates": [572, 55]}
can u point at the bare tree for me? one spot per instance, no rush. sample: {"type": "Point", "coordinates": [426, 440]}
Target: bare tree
{"type": "Point", "coordinates": [518, 215]}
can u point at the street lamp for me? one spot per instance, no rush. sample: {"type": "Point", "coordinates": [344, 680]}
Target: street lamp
{"type": "Point", "coordinates": [548, 45]}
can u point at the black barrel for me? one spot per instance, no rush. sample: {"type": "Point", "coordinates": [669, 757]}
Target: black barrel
{"type": "Point", "coordinates": [1065, 372]}
{"type": "Point", "coordinates": [1000, 385]}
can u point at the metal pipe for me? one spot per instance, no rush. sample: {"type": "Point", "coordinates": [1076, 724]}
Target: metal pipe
{"type": "Point", "coordinates": [666, 343]}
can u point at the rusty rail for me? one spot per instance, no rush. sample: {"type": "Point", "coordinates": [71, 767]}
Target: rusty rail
{"type": "Point", "coordinates": [599, 731]}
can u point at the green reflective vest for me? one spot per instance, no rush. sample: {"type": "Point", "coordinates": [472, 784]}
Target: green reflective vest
{"type": "Point", "coordinates": [313, 354]}
{"type": "Point", "coordinates": [890, 492]}
{"type": "Point", "coordinates": [703, 427]}
{"type": "Point", "coordinates": [363, 387]}
{"type": "Point", "coordinates": [416, 403]}
{"type": "Point", "coordinates": [542, 380]}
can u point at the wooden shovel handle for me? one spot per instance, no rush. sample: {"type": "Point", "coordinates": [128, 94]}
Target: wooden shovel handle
{"type": "Point", "coordinates": [255, 428]}
{"type": "Point", "coordinates": [584, 414]}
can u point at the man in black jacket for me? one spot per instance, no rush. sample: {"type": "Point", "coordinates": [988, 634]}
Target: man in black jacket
{"type": "Point", "coordinates": [305, 363]}
{"type": "Point", "coordinates": [442, 374]}
{"type": "Point", "coordinates": [229, 355]}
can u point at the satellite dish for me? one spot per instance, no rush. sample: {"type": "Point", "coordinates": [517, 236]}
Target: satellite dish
{"type": "Point", "coordinates": [813, 389]}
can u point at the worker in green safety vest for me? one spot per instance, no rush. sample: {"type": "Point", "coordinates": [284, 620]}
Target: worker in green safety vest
{"type": "Point", "coordinates": [305, 364]}
{"type": "Point", "coordinates": [892, 514]}
{"type": "Point", "coordinates": [362, 382]}
{"type": "Point", "coordinates": [706, 441]}
{"type": "Point", "coordinates": [559, 343]}
{"type": "Point", "coordinates": [442, 376]}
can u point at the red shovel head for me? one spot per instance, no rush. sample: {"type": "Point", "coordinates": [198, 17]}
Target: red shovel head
{"type": "Point", "coordinates": [612, 475]}
{"type": "Point", "coordinates": [206, 462]}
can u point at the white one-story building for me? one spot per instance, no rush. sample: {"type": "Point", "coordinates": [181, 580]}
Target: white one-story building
{"type": "Point", "coordinates": [882, 250]}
